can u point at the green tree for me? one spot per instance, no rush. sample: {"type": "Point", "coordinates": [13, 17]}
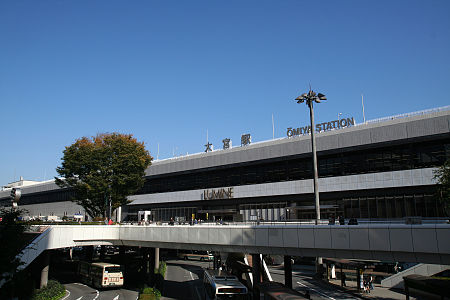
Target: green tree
{"type": "Point", "coordinates": [12, 242]}
{"type": "Point", "coordinates": [442, 177]}
{"type": "Point", "coordinates": [107, 166]}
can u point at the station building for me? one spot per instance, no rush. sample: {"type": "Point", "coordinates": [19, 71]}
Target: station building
{"type": "Point", "coordinates": [381, 169]}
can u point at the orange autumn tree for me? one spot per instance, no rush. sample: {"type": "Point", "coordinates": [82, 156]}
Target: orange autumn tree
{"type": "Point", "coordinates": [107, 167]}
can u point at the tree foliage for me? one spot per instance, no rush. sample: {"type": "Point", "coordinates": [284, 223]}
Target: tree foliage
{"type": "Point", "coordinates": [107, 165]}
{"type": "Point", "coordinates": [12, 242]}
{"type": "Point", "coordinates": [442, 177]}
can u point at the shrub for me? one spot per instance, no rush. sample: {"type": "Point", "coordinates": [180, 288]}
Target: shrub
{"type": "Point", "coordinates": [162, 269]}
{"type": "Point", "coordinates": [53, 291]}
{"type": "Point", "coordinates": [149, 293]}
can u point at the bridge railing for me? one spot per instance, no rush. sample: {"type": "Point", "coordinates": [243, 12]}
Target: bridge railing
{"type": "Point", "coordinates": [407, 220]}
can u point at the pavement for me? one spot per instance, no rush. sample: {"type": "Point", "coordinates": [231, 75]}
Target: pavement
{"type": "Point", "coordinates": [378, 292]}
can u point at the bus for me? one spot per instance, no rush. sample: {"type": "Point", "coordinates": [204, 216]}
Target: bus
{"type": "Point", "coordinates": [100, 274]}
{"type": "Point", "coordinates": [196, 255]}
{"type": "Point", "coordinates": [220, 285]}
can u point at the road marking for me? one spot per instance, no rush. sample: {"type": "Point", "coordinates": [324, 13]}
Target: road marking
{"type": "Point", "coordinates": [98, 294]}
{"type": "Point", "coordinates": [190, 273]}
{"type": "Point", "coordinates": [320, 293]}
{"type": "Point", "coordinates": [116, 298]}
{"type": "Point", "coordinates": [324, 295]}
{"type": "Point", "coordinates": [196, 291]}
{"type": "Point", "coordinates": [68, 294]}
{"type": "Point", "coordinates": [79, 298]}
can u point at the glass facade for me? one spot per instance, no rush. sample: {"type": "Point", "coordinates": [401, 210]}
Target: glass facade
{"type": "Point", "coordinates": [364, 204]}
{"type": "Point", "coordinates": [412, 155]}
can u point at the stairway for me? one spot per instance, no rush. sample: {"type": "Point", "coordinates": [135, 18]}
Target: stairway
{"type": "Point", "coordinates": [396, 280]}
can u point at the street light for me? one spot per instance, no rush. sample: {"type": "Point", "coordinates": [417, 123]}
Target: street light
{"type": "Point", "coordinates": [309, 98]}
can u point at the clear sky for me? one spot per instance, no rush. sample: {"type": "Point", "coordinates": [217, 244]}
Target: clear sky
{"type": "Point", "coordinates": [169, 71]}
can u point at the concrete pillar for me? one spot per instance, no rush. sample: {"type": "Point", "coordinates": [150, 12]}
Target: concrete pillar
{"type": "Point", "coordinates": [119, 214]}
{"type": "Point", "coordinates": [358, 280]}
{"type": "Point", "coordinates": [102, 252]}
{"type": "Point", "coordinates": [319, 265]}
{"type": "Point", "coordinates": [71, 253]}
{"type": "Point", "coordinates": [288, 271]}
{"type": "Point", "coordinates": [89, 253]}
{"type": "Point", "coordinates": [156, 258]}
{"type": "Point", "coordinates": [45, 268]}
{"type": "Point", "coordinates": [328, 274]}
{"type": "Point", "coordinates": [146, 265]}
{"type": "Point", "coordinates": [151, 262]}
{"type": "Point", "coordinates": [122, 254]}
{"type": "Point", "coordinates": [215, 262]}
{"type": "Point", "coordinates": [256, 271]}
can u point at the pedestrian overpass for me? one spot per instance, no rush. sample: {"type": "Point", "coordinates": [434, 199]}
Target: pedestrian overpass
{"type": "Point", "coordinates": [425, 243]}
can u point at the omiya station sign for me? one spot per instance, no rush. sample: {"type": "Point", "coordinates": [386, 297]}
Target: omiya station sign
{"type": "Point", "coordinates": [325, 126]}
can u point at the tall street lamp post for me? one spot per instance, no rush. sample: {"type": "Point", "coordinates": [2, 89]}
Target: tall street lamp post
{"type": "Point", "coordinates": [310, 98]}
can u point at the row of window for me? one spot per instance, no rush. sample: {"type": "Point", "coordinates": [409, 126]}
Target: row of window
{"type": "Point", "coordinates": [401, 157]}
{"type": "Point", "coordinates": [394, 158]}
{"type": "Point", "coordinates": [56, 196]}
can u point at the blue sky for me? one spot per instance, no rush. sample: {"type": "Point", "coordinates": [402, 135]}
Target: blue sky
{"type": "Point", "coordinates": [169, 71]}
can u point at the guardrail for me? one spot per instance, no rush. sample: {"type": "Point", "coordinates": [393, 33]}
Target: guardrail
{"type": "Point", "coordinates": [406, 220]}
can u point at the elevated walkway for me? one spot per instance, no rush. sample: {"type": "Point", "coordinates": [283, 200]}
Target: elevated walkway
{"type": "Point", "coordinates": [426, 243]}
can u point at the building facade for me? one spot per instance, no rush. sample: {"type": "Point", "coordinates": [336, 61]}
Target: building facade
{"type": "Point", "coordinates": [382, 169]}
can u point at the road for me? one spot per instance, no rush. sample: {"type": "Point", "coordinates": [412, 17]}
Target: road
{"type": "Point", "coordinates": [78, 291]}
{"type": "Point", "coordinates": [302, 281]}
{"type": "Point", "coordinates": [184, 280]}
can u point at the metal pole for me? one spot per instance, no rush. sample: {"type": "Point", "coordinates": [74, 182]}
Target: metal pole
{"type": "Point", "coordinates": [316, 176]}
{"type": "Point", "coordinates": [110, 208]}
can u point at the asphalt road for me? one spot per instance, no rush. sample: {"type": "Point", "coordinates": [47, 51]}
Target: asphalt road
{"type": "Point", "coordinates": [302, 281]}
{"type": "Point", "coordinates": [78, 291]}
{"type": "Point", "coordinates": [184, 280]}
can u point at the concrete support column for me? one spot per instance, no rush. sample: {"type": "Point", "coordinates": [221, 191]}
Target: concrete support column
{"type": "Point", "coordinates": [319, 266]}
{"type": "Point", "coordinates": [151, 262]}
{"type": "Point", "coordinates": [89, 253]}
{"type": "Point", "coordinates": [288, 271]}
{"type": "Point", "coordinates": [358, 280]}
{"type": "Point", "coordinates": [215, 263]}
{"type": "Point", "coordinates": [119, 214]}
{"type": "Point", "coordinates": [45, 268]}
{"type": "Point", "coordinates": [256, 271]}
{"type": "Point", "coordinates": [102, 252]}
{"type": "Point", "coordinates": [122, 254]}
{"type": "Point", "coordinates": [156, 258]}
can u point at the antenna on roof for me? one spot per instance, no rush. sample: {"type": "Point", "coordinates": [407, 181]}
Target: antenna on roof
{"type": "Point", "coordinates": [362, 102]}
{"type": "Point", "coordinates": [273, 129]}
{"type": "Point", "coordinates": [157, 155]}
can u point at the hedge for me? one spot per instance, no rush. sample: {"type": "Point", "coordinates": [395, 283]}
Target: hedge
{"type": "Point", "coordinates": [149, 293]}
{"type": "Point", "coordinates": [162, 269]}
{"type": "Point", "coordinates": [53, 291]}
